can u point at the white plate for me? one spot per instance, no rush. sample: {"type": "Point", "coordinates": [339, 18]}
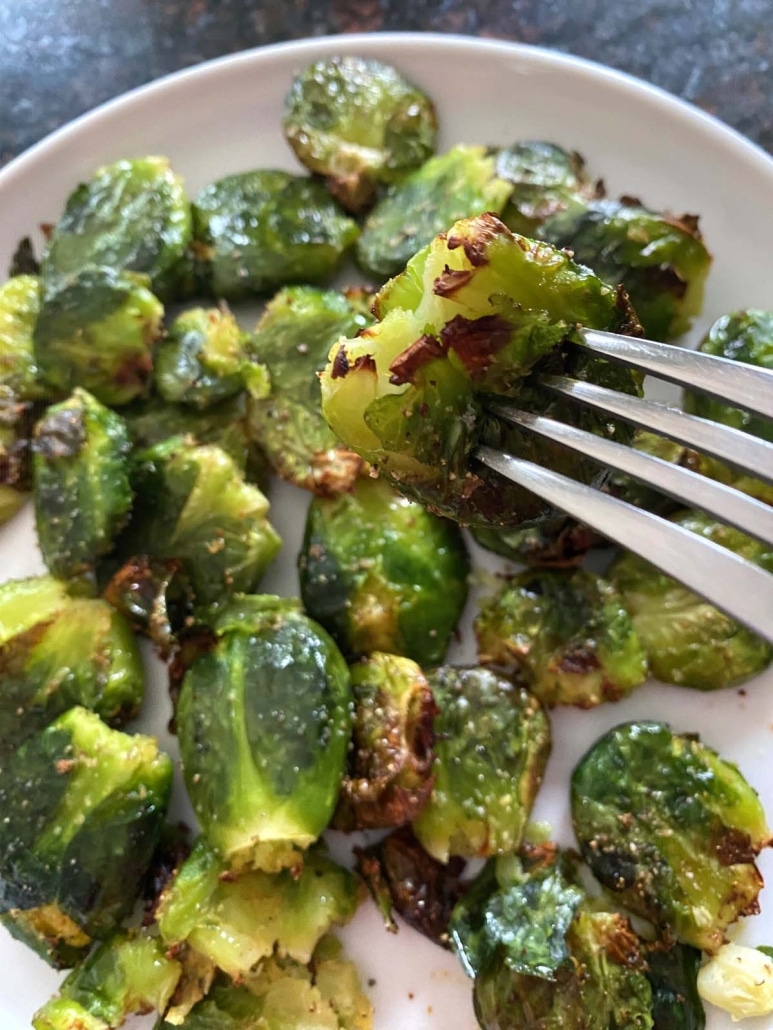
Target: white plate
{"type": "Point", "coordinates": [224, 117]}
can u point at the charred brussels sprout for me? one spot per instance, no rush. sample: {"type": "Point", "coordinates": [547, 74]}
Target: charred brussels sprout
{"type": "Point", "coordinates": [546, 179]}
{"type": "Point", "coordinates": [389, 778]}
{"type": "Point", "coordinates": [82, 491]}
{"type": "Point", "coordinates": [238, 921]}
{"type": "Point", "coordinates": [458, 184]}
{"type": "Point", "coordinates": [128, 973]}
{"type": "Point", "coordinates": [671, 828]}
{"type": "Point", "coordinates": [57, 651]}
{"type": "Point", "coordinates": [567, 635]}
{"type": "Point", "coordinates": [84, 806]}
{"type": "Point", "coordinates": [558, 542]}
{"type": "Point", "coordinates": [19, 307]}
{"type": "Point", "coordinates": [326, 994]}
{"type": "Point", "coordinates": [17, 422]}
{"type": "Point", "coordinates": [293, 338]}
{"type": "Point", "coordinates": [472, 315]}
{"type": "Point", "coordinates": [745, 336]}
{"type": "Point", "coordinates": [492, 744]}
{"type": "Point", "coordinates": [259, 230]}
{"type": "Point", "coordinates": [359, 123]}
{"type": "Point", "coordinates": [198, 510]}
{"type": "Point", "coordinates": [660, 259]}
{"type": "Point", "coordinates": [264, 720]}
{"type": "Point", "coordinates": [204, 359]}
{"type": "Point", "coordinates": [382, 574]}
{"type": "Point", "coordinates": [130, 216]}
{"type": "Point", "coordinates": [96, 329]}
{"type": "Point", "coordinates": [541, 957]}
{"type": "Point", "coordinates": [688, 641]}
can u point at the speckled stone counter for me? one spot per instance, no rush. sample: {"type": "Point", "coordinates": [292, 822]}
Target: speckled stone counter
{"type": "Point", "coordinates": [59, 58]}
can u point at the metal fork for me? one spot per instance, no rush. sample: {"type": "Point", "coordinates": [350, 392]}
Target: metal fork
{"type": "Point", "coordinates": [736, 586]}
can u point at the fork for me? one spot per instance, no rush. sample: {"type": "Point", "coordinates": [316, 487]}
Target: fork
{"type": "Point", "coordinates": [736, 586]}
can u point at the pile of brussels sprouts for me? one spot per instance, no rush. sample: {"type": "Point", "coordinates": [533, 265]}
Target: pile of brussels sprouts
{"type": "Point", "coordinates": [145, 422]}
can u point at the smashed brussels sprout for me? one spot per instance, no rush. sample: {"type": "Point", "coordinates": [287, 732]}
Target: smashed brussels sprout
{"type": "Point", "coordinates": [19, 307]}
{"type": "Point", "coordinates": [472, 314]}
{"type": "Point", "coordinates": [389, 776]}
{"type": "Point", "coordinates": [492, 740]}
{"type": "Point", "coordinates": [381, 573]}
{"type": "Point", "coordinates": [255, 231]}
{"type": "Point", "coordinates": [359, 123]}
{"type": "Point", "coordinates": [126, 974]}
{"type": "Point", "coordinates": [57, 651]}
{"type": "Point", "coordinates": [82, 491]}
{"type": "Point", "coordinates": [688, 641]}
{"type": "Point", "coordinates": [83, 809]}
{"type": "Point", "coordinates": [264, 720]}
{"type": "Point", "coordinates": [204, 358]}
{"type": "Point", "coordinates": [96, 329]}
{"type": "Point", "coordinates": [130, 216]}
{"type": "Point", "coordinates": [566, 634]}
{"type": "Point", "coordinates": [198, 510]}
{"type": "Point", "coordinates": [546, 179]}
{"type": "Point", "coordinates": [660, 259]}
{"type": "Point", "coordinates": [458, 184]}
{"type": "Point", "coordinates": [293, 338]}
{"type": "Point", "coordinates": [671, 828]}
{"type": "Point", "coordinates": [237, 921]}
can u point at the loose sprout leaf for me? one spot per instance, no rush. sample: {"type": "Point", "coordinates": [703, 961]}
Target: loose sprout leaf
{"type": "Point", "coordinates": [130, 216]}
{"type": "Point", "coordinates": [492, 743]}
{"type": "Point", "coordinates": [292, 339]}
{"type": "Point", "coordinates": [474, 313]}
{"type": "Point", "coordinates": [673, 975]}
{"type": "Point", "coordinates": [381, 573]}
{"type": "Point", "coordinates": [671, 828]}
{"type": "Point", "coordinates": [359, 123]}
{"type": "Point", "coordinates": [255, 231]}
{"type": "Point", "coordinates": [566, 634]}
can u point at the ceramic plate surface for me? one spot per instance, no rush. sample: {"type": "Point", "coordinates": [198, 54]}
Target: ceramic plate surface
{"type": "Point", "coordinates": [224, 117]}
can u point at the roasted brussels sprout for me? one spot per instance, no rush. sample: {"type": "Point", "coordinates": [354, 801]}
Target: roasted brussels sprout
{"type": "Point", "coordinates": [17, 422]}
{"type": "Point", "coordinates": [671, 828]}
{"type": "Point", "coordinates": [458, 184]}
{"type": "Point", "coordinates": [491, 747]}
{"type": "Point", "coordinates": [204, 358]}
{"type": "Point", "coordinates": [546, 179]}
{"type": "Point", "coordinates": [359, 123]}
{"type": "Point", "coordinates": [57, 651]}
{"type": "Point", "coordinates": [400, 874]}
{"type": "Point", "coordinates": [126, 974]}
{"type": "Point", "coordinates": [688, 641]}
{"type": "Point", "coordinates": [471, 315]}
{"type": "Point", "coordinates": [82, 491]}
{"type": "Point", "coordinates": [198, 510]}
{"type": "Point", "coordinates": [389, 776]}
{"type": "Point", "coordinates": [83, 808]}
{"type": "Point", "coordinates": [745, 336]}
{"type": "Point", "coordinates": [382, 574]}
{"type": "Point", "coordinates": [293, 338]}
{"type": "Point", "coordinates": [130, 216]}
{"type": "Point", "coordinates": [560, 542]}
{"type": "Point", "coordinates": [236, 921]}
{"type": "Point", "coordinates": [541, 957]}
{"type": "Point", "coordinates": [641, 494]}
{"type": "Point", "coordinates": [96, 329]}
{"type": "Point", "coordinates": [739, 980]}
{"type": "Point", "coordinates": [286, 995]}
{"type": "Point", "coordinates": [19, 306]}
{"type": "Point", "coordinates": [264, 720]}
{"type": "Point", "coordinates": [255, 231]}
{"type": "Point", "coordinates": [566, 634]}
{"type": "Point", "coordinates": [659, 258]}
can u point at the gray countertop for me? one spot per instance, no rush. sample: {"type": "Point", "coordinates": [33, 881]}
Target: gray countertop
{"type": "Point", "coordinates": [60, 58]}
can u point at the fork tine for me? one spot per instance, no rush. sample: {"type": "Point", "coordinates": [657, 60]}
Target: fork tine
{"type": "Point", "coordinates": [728, 581]}
{"type": "Point", "coordinates": [732, 445]}
{"type": "Point", "coordinates": [746, 386]}
{"type": "Point", "coordinates": [745, 513]}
